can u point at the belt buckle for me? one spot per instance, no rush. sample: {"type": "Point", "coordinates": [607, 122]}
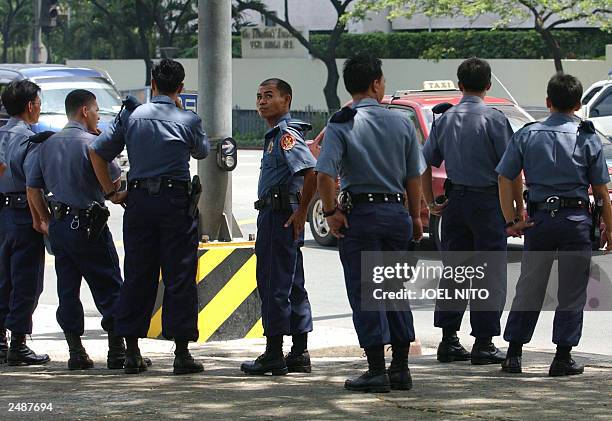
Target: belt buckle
{"type": "Point", "coordinates": [553, 200]}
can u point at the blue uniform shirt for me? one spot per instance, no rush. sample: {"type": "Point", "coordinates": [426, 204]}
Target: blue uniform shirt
{"type": "Point", "coordinates": [16, 153]}
{"type": "Point", "coordinates": [558, 159]}
{"type": "Point", "coordinates": [62, 166]}
{"type": "Point", "coordinates": [470, 138]}
{"type": "Point", "coordinates": [159, 138]}
{"type": "Point", "coordinates": [376, 151]}
{"type": "Point", "coordinates": [285, 157]}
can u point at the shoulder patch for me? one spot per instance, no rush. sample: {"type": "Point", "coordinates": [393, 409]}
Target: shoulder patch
{"type": "Point", "coordinates": [344, 115]}
{"type": "Point", "coordinates": [287, 142]}
{"type": "Point", "coordinates": [586, 126]}
{"type": "Point", "coordinates": [40, 137]}
{"type": "Point", "coordinates": [442, 107]}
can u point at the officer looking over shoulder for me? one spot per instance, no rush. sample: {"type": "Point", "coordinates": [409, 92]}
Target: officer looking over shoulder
{"type": "Point", "coordinates": [470, 138]}
{"type": "Point", "coordinates": [80, 239]}
{"type": "Point", "coordinates": [22, 251]}
{"type": "Point", "coordinates": [560, 159]}
{"type": "Point", "coordinates": [376, 154]}
{"type": "Point", "coordinates": [160, 220]}
{"type": "Point", "coordinates": [287, 183]}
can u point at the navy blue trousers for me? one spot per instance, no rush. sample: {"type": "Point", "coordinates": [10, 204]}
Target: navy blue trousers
{"type": "Point", "coordinates": [569, 233]}
{"type": "Point", "coordinates": [22, 268]}
{"type": "Point", "coordinates": [473, 221]}
{"type": "Point", "coordinates": [375, 227]}
{"type": "Point", "coordinates": [77, 257]}
{"type": "Point", "coordinates": [158, 234]}
{"type": "Point", "coordinates": [285, 309]}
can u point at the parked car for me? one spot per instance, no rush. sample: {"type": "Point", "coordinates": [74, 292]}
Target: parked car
{"type": "Point", "coordinates": [597, 106]}
{"type": "Point", "coordinates": [417, 106]}
{"type": "Point", "coordinates": [55, 82]}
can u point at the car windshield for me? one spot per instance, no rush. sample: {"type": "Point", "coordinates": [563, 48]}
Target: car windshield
{"type": "Point", "coordinates": [54, 94]}
{"type": "Point", "coordinates": [516, 118]}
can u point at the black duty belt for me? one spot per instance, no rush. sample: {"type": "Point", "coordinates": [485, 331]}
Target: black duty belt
{"type": "Point", "coordinates": [267, 201]}
{"type": "Point", "coordinates": [60, 210]}
{"type": "Point", "coordinates": [13, 200]}
{"type": "Point", "coordinates": [155, 184]}
{"type": "Point", "coordinates": [377, 198]}
{"type": "Point", "coordinates": [554, 203]}
{"type": "Point", "coordinates": [475, 189]}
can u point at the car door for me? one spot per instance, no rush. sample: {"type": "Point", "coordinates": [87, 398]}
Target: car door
{"type": "Point", "coordinates": [600, 111]}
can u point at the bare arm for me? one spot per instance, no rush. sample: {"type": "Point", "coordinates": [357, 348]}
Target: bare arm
{"type": "Point", "coordinates": [298, 218]}
{"type": "Point", "coordinates": [427, 186]}
{"type": "Point", "coordinates": [327, 190]}
{"type": "Point", "coordinates": [517, 193]}
{"type": "Point", "coordinates": [100, 167]}
{"type": "Point", "coordinates": [39, 210]}
{"type": "Point", "coordinates": [414, 191]}
{"type": "Point", "coordinates": [600, 192]}
{"type": "Point", "coordinates": [2, 168]}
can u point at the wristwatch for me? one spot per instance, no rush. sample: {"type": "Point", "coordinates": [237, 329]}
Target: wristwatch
{"type": "Point", "coordinates": [110, 194]}
{"type": "Point", "coordinates": [327, 214]}
{"type": "Point", "coordinates": [513, 222]}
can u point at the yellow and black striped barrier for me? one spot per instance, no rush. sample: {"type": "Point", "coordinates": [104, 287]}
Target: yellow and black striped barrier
{"type": "Point", "coordinates": [228, 303]}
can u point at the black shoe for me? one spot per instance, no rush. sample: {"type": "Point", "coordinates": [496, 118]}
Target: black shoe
{"type": "Point", "coordinates": [487, 354]}
{"type": "Point", "coordinates": [19, 353]}
{"type": "Point", "coordinates": [115, 358]}
{"type": "Point", "coordinates": [565, 368]}
{"type": "Point", "coordinates": [298, 363]}
{"type": "Point", "coordinates": [400, 378]}
{"type": "Point", "coordinates": [368, 382]}
{"type": "Point", "coordinates": [266, 363]}
{"type": "Point", "coordinates": [512, 364]}
{"type": "Point", "coordinates": [80, 361]}
{"type": "Point", "coordinates": [185, 364]}
{"type": "Point", "coordinates": [134, 364]}
{"type": "Point", "coordinates": [450, 349]}
{"type": "Point", "coordinates": [3, 346]}
{"type": "Point", "coordinates": [119, 363]}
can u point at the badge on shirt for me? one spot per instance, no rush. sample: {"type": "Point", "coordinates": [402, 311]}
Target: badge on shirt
{"type": "Point", "coordinates": [287, 142]}
{"type": "Point", "coordinates": [270, 146]}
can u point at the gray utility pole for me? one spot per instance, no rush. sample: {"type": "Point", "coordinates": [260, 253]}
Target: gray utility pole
{"type": "Point", "coordinates": [36, 35]}
{"type": "Point", "coordinates": [215, 109]}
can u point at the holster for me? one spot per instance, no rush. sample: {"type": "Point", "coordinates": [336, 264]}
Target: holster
{"type": "Point", "coordinates": [448, 184]}
{"type": "Point", "coordinates": [194, 196]}
{"type": "Point", "coordinates": [345, 201]}
{"type": "Point", "coordinates": [279, 198]}
{"type": "Point", "coordinates": [98, 216]}
{"type": "Point", "coordinates": [596, 211]}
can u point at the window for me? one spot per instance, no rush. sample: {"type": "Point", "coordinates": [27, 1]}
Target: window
{"type": "Point", "coordinates": [590, 95]}
{"type": "Point", "coordinates": [603, 106]}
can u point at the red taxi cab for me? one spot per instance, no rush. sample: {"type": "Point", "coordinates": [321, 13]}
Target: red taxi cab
{"type": "Point", "coordinates": [417, 106]}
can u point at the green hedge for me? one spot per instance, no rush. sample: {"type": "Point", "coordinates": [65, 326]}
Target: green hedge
{"type": "Point", "coordinates": [525, 44]}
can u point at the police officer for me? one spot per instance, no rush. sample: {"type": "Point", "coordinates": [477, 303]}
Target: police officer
{"type": "Point", "coordinates": [159, 226]}
{"type": "Point", "coordinates": [287, 183]}
{"type": "Point", "coordinates": [377, 156]}
{"type": "Point", "coordinates": [80, 239]}
{"type": "Point", "coordinates": [470, 138]}
{"type": "Point", "coordinates": [22, 253]}
{"type": "Point", "coordinates": [560, 159]}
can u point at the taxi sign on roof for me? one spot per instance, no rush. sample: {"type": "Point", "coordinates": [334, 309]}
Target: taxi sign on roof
{"type": "Point", "coordinates": [439, 85]}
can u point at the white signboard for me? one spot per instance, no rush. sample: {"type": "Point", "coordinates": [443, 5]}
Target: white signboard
{"type": "Point", "coordinates": [271, 42]}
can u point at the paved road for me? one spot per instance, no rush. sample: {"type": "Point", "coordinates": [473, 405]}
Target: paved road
{"type": "Point", "coordinates": [326, 285]}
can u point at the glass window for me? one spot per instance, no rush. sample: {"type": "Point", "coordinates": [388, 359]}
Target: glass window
{"type": "Point", "coordinates": [53, 95]}
{"type": "Point", "coordinates": [590, 95]}
{"type": "Point", "coordinates": [603, 106]}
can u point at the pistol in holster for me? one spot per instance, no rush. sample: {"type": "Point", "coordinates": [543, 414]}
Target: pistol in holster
{"type": "Point", "coordinates": [345, 201]}
{"type": "Point", "coordinates": [98, 216]}
{"type": "Point", "coordinates": [596, 211]}
{"type": "Point", "coordinates": [279, 197]}
{"type": "Point", "coordinates": [195, 192]}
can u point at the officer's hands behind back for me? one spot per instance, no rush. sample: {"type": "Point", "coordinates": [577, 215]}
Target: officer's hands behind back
{"type": "Point", "coordinates": [336, 222]}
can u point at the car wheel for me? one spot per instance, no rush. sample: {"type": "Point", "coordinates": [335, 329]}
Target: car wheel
{"type": "Point", "coordinates": [318, 224]}
{"type": "Point", "coordinates": [435, 230]}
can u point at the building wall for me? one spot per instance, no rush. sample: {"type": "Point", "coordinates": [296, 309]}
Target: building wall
{"type": "Point", "coordinates": [526, 79]}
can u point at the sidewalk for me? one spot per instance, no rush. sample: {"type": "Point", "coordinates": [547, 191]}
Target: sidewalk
{"type": "Point", "coordinates": [441, 391]}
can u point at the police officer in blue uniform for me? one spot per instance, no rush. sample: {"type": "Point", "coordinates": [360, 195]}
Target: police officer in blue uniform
{"type": "Point", "coordinates": [560, 159]}
{"type": "Point", "coordinates": [79, 237]}
{"type": "Point", "coordinates": [376, 154]}
{"type": "Point", "coordinates": [287, 183]}
{"type": "Point", "coordinates": [470, 138]}
{"type": "Point", "coordinates": [22, 253]}
{"type": "Point", "coordinates": [160, 221]}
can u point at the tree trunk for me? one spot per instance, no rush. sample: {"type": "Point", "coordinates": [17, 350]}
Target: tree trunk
{"type": "Point", "coordinates": [552, 43]}
{"type": "Point", "coordinates": [5, 46]}
{"type": "Point", "coordinates": [144, 42]}
{"type": "Point", "coordinates": [331, 85]}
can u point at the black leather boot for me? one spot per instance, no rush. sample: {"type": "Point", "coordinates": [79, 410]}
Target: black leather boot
{"type": "Point", "coordinates": [115, 358]}
{"type": "Point", "coordinates": [134, 362]}
{"type": "Point", "coordinates": [513, 361]}
{"type": "Point", "coordinates": [79, 360]}
{"type": "Point", "coordinates": [485, 352]}
{"type": "Point", "coordinates": [374, 380]}
{"type": "Point", "coordinates": [399, 373]}
{"type": "Point", "coordinates": [271, 361]}
{"type": "Point", "coordinates": [3, 346]}
{"type": "Point", "coordinates": [184, 363]}
{"type": "Point", "coordinates": [563, 364]}
{"type": "Point", "coordinates": [450, 349]}
{"type": "Point", "coordinates": [19, 353]}
{"type": "Point", "coordinates": [298, 359]}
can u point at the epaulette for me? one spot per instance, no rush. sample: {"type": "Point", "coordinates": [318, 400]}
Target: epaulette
{"type": "Point", "coordinates": [130, 103]}
{"type": "Point", "coordinates": [528, 124]}
{"type": "Point", "coordinates": [344, 115]}
{"type": "Point", "coordinates": [41, 137]}
{"type": "Point", "coordinates": [299, 125]}
{"type": "Point", "coordinates": [441, 108]}
{"type": "Point", "coordinates": [587, 126]}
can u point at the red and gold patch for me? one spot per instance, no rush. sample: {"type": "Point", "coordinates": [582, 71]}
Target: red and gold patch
{"type": "Point", "coordinates": [287, 142]}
